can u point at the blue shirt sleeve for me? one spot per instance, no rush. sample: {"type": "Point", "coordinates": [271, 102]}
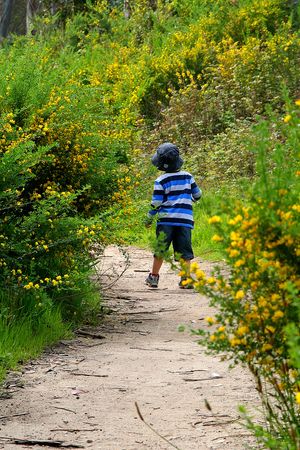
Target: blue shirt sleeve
{"type": "Point", "coordinates": [196, 192]}
{"type": "Point", "coordinates": [157, 199]}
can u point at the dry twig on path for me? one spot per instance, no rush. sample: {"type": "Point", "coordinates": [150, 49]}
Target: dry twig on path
{"type": "Point", "coordinates": [65, 409]}
{"type": "Point", "coordinates": [75, 430]}
{"type": "Point", "coordinates": [130, 313]}
{"type": "Point", "coordinates": [152, 429]}
{"type": "Point", "coordinates": [14, 415]}
{"type": "Point", "coordinates": [81, 374]}
{"type": "Point", "coordinates": [90, 334]}
{"type": "Point", "coordinates": [42, 442]}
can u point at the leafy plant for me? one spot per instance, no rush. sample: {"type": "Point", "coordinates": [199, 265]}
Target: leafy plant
{"type": "Point", "coordinates": [257, 295]}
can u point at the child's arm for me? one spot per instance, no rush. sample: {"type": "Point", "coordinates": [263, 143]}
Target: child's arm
{"type": "Point", "coordinates": [157, 199]}
{"type": "Point", "coordinates": [196, 192]}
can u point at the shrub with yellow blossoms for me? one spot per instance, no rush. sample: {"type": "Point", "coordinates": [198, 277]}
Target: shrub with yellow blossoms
{"type": "Point", "coordinates": [64, 174]}
{"type": "Point", "coordinates": [256, 293]}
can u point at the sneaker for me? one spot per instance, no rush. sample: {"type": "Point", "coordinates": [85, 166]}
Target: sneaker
{"type": "Point", "coordinates": [152, 280]}
{"type": "Point", "coordinates": [183, 285]}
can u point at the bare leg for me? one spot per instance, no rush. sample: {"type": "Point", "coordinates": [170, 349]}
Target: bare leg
{"type": "Point", "coordinates": [187, 267]}
{"type": "Point", "coordinates": [157, 263]}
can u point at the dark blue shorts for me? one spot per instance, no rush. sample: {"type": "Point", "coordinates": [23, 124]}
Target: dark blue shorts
{"type": "Point", "coordinates": [180, 237]}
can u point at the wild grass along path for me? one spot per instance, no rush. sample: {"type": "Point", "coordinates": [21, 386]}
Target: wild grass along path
{"type": "Point", "coordinates": [84, 391]}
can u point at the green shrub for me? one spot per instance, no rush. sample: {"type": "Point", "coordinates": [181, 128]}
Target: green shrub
{"type": "Point", "coordinates": [258, 296]}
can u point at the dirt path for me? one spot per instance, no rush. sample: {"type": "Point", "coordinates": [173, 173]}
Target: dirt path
{"type": "Point", "coordinates": [84, 391]}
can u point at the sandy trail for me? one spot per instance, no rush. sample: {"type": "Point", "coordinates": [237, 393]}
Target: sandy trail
{"type": "Point", "coordinates": [84, 391]}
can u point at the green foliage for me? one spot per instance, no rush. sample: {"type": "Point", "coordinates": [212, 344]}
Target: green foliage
{"type": "Point", "coordinates": [25, 334]}
{"type": "Point", "coordinates": [203, 233]}
{"type": "Point", "coordinates": [86, 99]}
{"type": "Point", "coordinates": [258, 297]}
{"type": "Point", "coordinates": [63, 175]}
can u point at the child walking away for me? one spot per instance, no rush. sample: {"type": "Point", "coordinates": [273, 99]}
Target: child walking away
{"type": "Point", "coordinates": [173, 196]}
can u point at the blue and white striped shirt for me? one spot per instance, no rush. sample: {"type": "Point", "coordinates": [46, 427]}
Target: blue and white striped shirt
{"type": "Point", "coordinates": [173, 197]}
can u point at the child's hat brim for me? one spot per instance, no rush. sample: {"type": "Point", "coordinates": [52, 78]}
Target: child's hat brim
{"type": "Point", "coordinates": [167, 157]}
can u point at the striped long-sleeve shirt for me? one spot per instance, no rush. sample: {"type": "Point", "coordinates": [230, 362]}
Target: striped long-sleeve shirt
{"type": "Point", "coordinates": [173, 197]}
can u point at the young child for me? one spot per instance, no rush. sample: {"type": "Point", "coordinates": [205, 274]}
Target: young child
{"type": "Point", "coordinates": [174, 193]}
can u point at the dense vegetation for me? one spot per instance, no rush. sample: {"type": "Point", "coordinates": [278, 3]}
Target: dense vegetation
{"type": "Point", "coordinates": [85, 100]}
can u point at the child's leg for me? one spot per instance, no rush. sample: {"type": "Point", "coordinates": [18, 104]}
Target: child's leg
{"type": "Point", "coordinates": [187, 266]}
{"type": "Point", "coordinates": [157, 263]}
{"type": "Point", "coordinates": [164, 235]}
{"type": "Point", "coordinates": [183, 245]}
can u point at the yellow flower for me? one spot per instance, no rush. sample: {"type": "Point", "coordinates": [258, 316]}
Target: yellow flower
{"type": "Point", "coordinates": [266, 347]}
{"type": "Point", "coordinates": [296, 208]}
{"type": "Point", "coordinates": [239, 295]}
{"type": "Point", "coordinates": [277, 315]}
{"type": "Point", "coordinates": [186, 282]}
{"type": "Point", "coordinates": [200, 274]}
{"type": "Point", "coordinates": [239, 263]}
{"type": "Point", "coordinates": [254, 285]}
{"type": "Point", "coordinates": [287, 118]}
{"type": "Point", "coordinates": [234, 221]}
{"type": "Point", "coordinates": [210, 320]}
{"type": "Point", "coordinates": [262, 302]}
{"type": "Point", "coordinates": [270, 329]}
{"type": "Point", "coordinates": [275, 297]}
{"type": "Point", "coordinates": [211, 280]}
{"type": "Point", "coordinates": [194, 266]}
{"type": "Point", "coordinates": [242, 330]}
{"type": "Point", "coordinates": [297, 396]}
{"type": "Point", "coordinates": [217, 238]}
{"type": "Point", "coordinates": [297, 102]}
{"type": "Point", "coordinates": [234, 342]}
{"type": "Point", "coordinates": [214, 219]}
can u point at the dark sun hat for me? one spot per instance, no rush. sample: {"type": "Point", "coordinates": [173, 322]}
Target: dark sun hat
{"type": "Point", "coordinates": [167, 158]}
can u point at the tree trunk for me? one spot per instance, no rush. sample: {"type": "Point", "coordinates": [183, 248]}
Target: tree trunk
{"type": "Point", "coordinates": [5, 18]}
{"type": "Point", "coordinates": [127, 9]}
{"type": "Point", "coordinates": [13, 17]}
{"type": "Point", "coordinates": [32, 9]}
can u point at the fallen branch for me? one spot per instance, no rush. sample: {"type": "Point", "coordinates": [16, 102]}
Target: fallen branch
{"type": "Point", "coordinates": [186, 372]}
{"type": "Point", "coordinates": [43, 442]}
{"type": "Point", "coordinates": [152, 429]}
{"type": "Point", "coordinates": [65, 409]}
{"type": "Point", "coordinates": [202, 379]}
{"type": "Point", "coordinates": [88, 333]}
{"type": "Point", "coordinates": [208, 424]}
{"type": "Point", "coordinates": [74, 430]}
{"type": "Point", "coordinates": [81, 374]}
{"type": "Point", "coordinates": [148, 312]}
{"type": "Point", "coordinates": [14, 415]}
{"type": "Point", "coordinates": [196, 379]}
{"type": "Point", "coordinates": [92, 345]}
{"type": "Point", "coordinates": [151, 349]}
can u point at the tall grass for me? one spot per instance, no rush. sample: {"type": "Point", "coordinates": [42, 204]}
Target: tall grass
{"type": "Point", "coordinates": [25, 337]}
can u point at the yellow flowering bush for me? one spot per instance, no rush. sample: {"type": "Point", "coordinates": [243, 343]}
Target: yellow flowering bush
{"type": "Point", "coordinates": [257, 292]}
{"type": "Point", "coordinates": [91, 93]}
{"type": "Point", "coordinates": [65, 171]}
